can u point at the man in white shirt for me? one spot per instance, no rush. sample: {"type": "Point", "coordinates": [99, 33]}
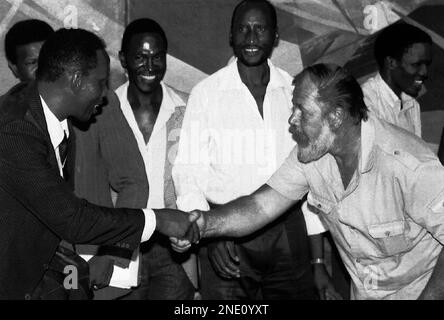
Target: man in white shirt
{"type": "Point", "coordinates": [39, 207]}
{"type": "Point", "coordinates": [154, 112]}
{"type": "Point", "coordinates": [234, 136]}
{"type": "Point", "coordinates": [403, 53]}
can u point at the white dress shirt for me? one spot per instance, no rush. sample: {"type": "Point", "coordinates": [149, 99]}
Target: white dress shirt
{"type": "Point", "coordinates": [153, 152]}
{"type": "Point", "coordinates": [386, 105]}
{"type": "Point", "coordinates": [57, 131]}
{"type": "Point", "coordinates": [227, 150]}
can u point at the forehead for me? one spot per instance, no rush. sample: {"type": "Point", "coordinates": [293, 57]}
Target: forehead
{"type": "Point", "coordinates": [147, 41]}
{"type": "Point", "coordinates": [304, 89]}
{"type": "Point", "coordinates": [102, 69]}
{"type": "Point", "coordinates": [29, 50]}
{"type": "Point", "coordinates": [418, 51]}
{"type": "Point", "coordinates": [253, 11]}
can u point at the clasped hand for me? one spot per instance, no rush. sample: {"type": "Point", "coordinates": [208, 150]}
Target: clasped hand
{"type": "Point", "coordinates": [192, 236]}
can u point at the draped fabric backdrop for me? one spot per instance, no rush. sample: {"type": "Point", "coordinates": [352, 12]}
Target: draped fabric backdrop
{"type": "Point", "coordinates": [338, 31]}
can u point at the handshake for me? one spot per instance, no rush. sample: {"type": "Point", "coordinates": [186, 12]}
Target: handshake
{"type": "Point", "coordinates": [183, 229]}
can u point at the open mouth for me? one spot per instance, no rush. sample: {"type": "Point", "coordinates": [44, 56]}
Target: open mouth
{"type": "Point", "coordinates": [251, 50]}
{"type": "Point", "coordinates": [147, 77]}
{"type": "Point", "coordinates": [419, 82]}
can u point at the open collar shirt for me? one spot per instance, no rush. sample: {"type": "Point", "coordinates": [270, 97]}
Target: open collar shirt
{"type": "Point", "coordinates": [386, 105]}
{"type": "Point", "coordinates": [389, 223]}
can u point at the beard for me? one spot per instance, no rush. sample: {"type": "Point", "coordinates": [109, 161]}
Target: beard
{"type": "Point", "coordinates": [316, 149]}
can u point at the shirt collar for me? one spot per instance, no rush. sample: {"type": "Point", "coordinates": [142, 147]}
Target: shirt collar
{"type": "Point", "coordinates": [391, 98]}
{"type": "Point", "coordinates": [170, 100]}
{"type": "Point", "coordinates": [367, 145]}
{"type": "Point", "coordinates": [276, 79]}
{"type": "Point", "coordinates": [56, 129]}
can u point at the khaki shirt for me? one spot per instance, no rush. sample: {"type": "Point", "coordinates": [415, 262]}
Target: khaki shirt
{"type": "Point", "coordinates": [389, 223]}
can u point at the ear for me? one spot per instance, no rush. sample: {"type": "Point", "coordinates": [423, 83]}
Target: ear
{"type": "Point", "coordinates": [122, 59]}
{"type": "Point", "coordinates": [76, 81]}
{"type": "Point", "coordinates": [336, 118]}
{"type": "Point", "coordinates": [276, 39]}
{"type": "Point", "coordinates": [14, 69]}
{"type": "Point", "coordinates": [391, 63]}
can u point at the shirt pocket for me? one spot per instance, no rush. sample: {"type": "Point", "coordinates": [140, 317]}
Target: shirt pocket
{"type": "Point", "coordinates": [389, 237]}
{"type": "Point", "coordinates": [318, 204]}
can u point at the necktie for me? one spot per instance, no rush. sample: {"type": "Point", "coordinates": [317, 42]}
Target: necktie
{"type": "Point", "coordinates": [63, 150]}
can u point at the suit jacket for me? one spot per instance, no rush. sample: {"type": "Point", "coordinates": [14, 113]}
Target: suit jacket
{"type": "Point", "coordinates": [38, 207]}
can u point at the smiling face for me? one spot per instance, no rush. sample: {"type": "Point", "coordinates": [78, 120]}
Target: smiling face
{"type": "Point", "coordinates": [409, 73]}
{"type": "Point", "coordinates": [309, 124]}
{"type": "Point", "coordinates": [253, 34]}
{"type": "Point", "coordinates": [27, 59]}
{"type": "Point", "coordinates": [145, 61]}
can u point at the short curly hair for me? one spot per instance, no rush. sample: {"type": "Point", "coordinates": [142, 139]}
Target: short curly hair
{"type": "Point", "coordinates": [68, 49]}
{"type": "Point", "coordinates": [23, 33]}
{"type": "Point", "coordinates": [396, 39]}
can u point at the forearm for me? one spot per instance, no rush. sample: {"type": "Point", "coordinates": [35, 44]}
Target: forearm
{"type": "Point", "coordinates": [235, 219]}
{"type": "Point", "coordinates": [434, 290]}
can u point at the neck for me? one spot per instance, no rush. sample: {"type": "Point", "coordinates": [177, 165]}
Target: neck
{"type": "Point", "coordinates": [347, 145]}
{"type": "Point", "coordinates": [256, 76]}
{"type": "Point", "coordinates": [150, 101]}
{"type": "Point", "coordinates": [386, 76]}
{"type": "Point", "coordinates": [53, 95]}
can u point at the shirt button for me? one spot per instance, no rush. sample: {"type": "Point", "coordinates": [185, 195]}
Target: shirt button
{"type": "Point", "coordinates": [319, 206]}
{"type": "Point", "coordinates": [27, 296]}
{"type": "Point", "coordinates": [358, 260]}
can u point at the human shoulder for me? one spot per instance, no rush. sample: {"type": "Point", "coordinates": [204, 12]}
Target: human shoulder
{"type": "Point", "coordinates": [401, 145]}
{"type": "Point", "coordinates": [214, 81]}
{"type": "Point", "coordinates": [179, 97]}
{"type": "Point", "coordinates": [284, 76]}
{"type": "Point", "coordinates": [14, 104]}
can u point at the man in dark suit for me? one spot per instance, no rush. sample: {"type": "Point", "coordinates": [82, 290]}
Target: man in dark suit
{"type": "Point", "coordinates": [38, 207]}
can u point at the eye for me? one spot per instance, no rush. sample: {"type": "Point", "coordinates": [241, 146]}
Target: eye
{"type": "Point", "coordinates": [242, 29]}
{"type": "Point", "coordinates": [31, 62]}
{"type": "Point", "coordinates": [261, 29]}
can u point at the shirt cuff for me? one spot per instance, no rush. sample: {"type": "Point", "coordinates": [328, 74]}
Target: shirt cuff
{"type": "Point", "coordinates": [312, 221]}
{"type": "Point", "coordinates": [150, 224]}
{"type": "Point", "coordinates": [192, 201]}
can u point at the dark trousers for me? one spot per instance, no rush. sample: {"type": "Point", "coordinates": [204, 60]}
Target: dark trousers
{"type": "Point", "coordinates": [161, 276]}
{"type": "Point", "coordinates": [274, 264]}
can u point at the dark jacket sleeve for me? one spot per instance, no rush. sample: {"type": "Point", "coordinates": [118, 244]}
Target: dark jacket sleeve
{"type": "Point", "coordinates": [27, 174]}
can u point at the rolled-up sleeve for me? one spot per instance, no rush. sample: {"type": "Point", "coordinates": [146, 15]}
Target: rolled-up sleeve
{"type": "Point", "coordinates": [289, 180]}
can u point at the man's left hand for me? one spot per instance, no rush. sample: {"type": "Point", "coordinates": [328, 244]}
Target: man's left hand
{"type": "Point", "coordinates": [324, 284]}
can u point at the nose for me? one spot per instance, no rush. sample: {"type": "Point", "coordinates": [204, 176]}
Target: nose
{"type": "Point", "coordinates": [251, 36]}
{"type": "Point", "coordinates": [294, 118]}
{"type": "Point", "coordinates": [150, 64]}
{"type": "Point", "coordinates": [423, 70]}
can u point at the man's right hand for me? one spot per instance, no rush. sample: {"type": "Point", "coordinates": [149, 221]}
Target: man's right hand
{"type": "Point", "coordinates": [223, 256]}
{"type": "Point", "coordinates": [178, 224]}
